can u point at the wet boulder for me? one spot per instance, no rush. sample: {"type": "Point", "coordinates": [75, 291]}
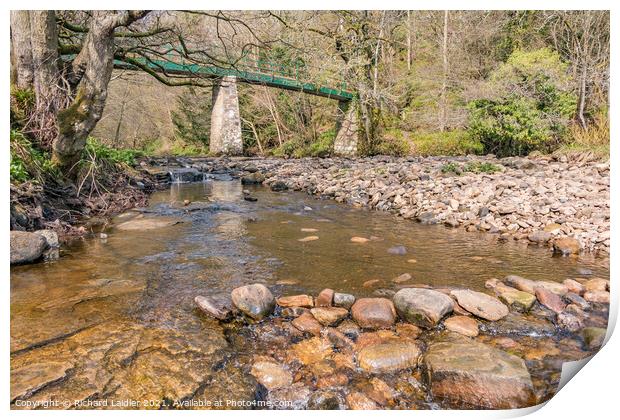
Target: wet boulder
{"type": "Point", "coordinates": [307, 323]}
{"type": "Point", "coordinates": [26, 247]}
{"type": "Point", "coordinates": [516, 299]}
{"type": "Point", "coordinates": [344, 300]}
{"type": "Point", "coordinates": [253, 178]}
{"type": "Point", "coordinates": [593, 337]}
{"type": "Point", "coordinates": [389, 356]}
{"type": "Point", "coordinates": [464, 325]}
{"type": "Point", "coordinates": [566, 246]}
{"type": "Point", "coordinates": [254, 300]}
{"type": "Point", "coordinates": [597, 296]}
{"type": "Point", "coordinates": [480, 304]}
{"type": "Point", "coordinates": [218, 306]}
{"type": "Point", "coordinates": [520, 283]}
{"type": "Point", "coordinates": [271, 375]}
{"type": "Point", "coordinates": [304, 301]}
{"type": "Point", "coordinates": [464, 373]}
{"type": "Point", "coordinates": [279, 186]}
{"type": "Point", "coordinates": [422, 307]}
{"type": "Point", "coordinates": [550, 300]}
{"type": "Point", "coordinates": [329, 316]}
{"type": "Point", "coordinates": [325, 298]}
{"type": "Point", "coordinates": [374, 313]}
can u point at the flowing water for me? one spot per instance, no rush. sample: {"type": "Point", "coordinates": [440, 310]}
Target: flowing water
{"type": "Point", "coordinates": [113, 319]}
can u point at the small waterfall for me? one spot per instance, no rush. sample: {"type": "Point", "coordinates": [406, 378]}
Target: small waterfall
{"type": "Point", "coordinates": [176, 177]}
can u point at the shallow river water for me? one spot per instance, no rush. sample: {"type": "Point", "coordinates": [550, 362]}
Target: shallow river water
{"type": "Point", "coordinates": [114, 319]}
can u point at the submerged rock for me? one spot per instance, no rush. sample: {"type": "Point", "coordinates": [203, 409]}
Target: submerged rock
{"type": "Point", "coordinates": [358, 401]}
{"type": "Point", "coordinates": [519, 324]}
{"type": "Point", "coordinates": [307, 323]}
{"type": "Point", "coordinates": [326, 400]}
{"type": "Point", "coordinates": [397, 250]}
{"type": "Point", "coordinates": [279, 186]}
{"type": "Point", "coordinates": [271, 375]}
{"type": "Point", "coordinates": [464, 373]}
{"type": "Point", "coordinates": [389, 356]}
{"type": "Point", "coordinates": [297, 394]}
{"type": "Point", "coordinates": [593, 337]}
{"type": "Point", "coordinates": [26, 247]}
{"type": "Point", "coordinates": [422, 307]}
{"type": "Point", "coordinates": [147, 223]}
{"type": "Point", "coordinates": [254, 300]}
{"type": "Point", "coordinates": [217, 306]}
{"type": "Point", "coordinates": [374, 313]}
{"type": "Point", "coordinates": [480, 304]}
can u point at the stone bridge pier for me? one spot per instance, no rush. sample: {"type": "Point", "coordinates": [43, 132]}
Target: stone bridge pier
{"type": "Point", "coordinates": [347, 129]}
{"type": "Point", "coordinates": [225, 119]}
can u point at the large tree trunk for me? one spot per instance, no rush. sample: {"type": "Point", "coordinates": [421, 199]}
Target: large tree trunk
{"type": "Point", "coordinates": [93, 68]}
{"type": "Point", "coordinates": [44, 43]}
{"type": "Point", "coordinates": [21, 49]}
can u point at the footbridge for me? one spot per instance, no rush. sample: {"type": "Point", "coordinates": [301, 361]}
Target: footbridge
{"type": "Point", "coordinates": [225, 135]}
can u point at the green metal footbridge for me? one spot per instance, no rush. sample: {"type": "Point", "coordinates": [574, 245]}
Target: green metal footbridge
{"type": "Point", "coordinates": [256, 72]}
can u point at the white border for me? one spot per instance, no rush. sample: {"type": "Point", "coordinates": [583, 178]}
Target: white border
{"type": "Point", "coordinates": [593, 392]}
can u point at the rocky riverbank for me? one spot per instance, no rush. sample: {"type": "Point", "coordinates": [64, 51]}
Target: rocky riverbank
{"type": "Point", "coordinates": [422, 346]}
{"type": "Point", "coordinates": [543, 200]}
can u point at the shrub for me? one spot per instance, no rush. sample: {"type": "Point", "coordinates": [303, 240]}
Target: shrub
{"type": "Point", "coordinates": [28, 163]}
{"type": "Point", "coordinates": [393, 143]}
{"type": "Point", "coordinates": [95, 149]}
{"type": "Point", "coordinates": [448, 143]}
{"type": "Point", "coordinates": [530, 107]}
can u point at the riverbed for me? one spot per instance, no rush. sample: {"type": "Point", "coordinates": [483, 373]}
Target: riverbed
{"type": "Point", "coordinates": [114, 318]}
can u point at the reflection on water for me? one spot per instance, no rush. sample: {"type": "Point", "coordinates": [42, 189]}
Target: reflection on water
{"type": "Point", "coordinates": [115, 317]}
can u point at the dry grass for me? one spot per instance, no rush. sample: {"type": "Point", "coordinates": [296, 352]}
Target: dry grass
{"type": "Point", "coordinates": [592, 141]}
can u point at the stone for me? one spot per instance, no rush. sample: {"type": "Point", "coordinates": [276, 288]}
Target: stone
{"type": "Point", "coordinates": [312, 350]}
{"type": "Point", "coordinates": [597, 296]}
{"type": "Point", "coordinates": [26, 247]}
{"type": "Point", "coordinates": [422, 307]}
{"type": "Point", "coordinates": [307, 323]}
{"type": "Point", "coordinates": [517, 299]}
{"type": "Point", "coordinates": [519, 324]}
{"type": "Point", "coordinates": [540, 236]}
{"type": "Point", "coordinates": [149, 223]}
{"type": "Point", "coordinates": [294, 312]}
{"type": "Point", "coordinates": [329, 316]}
{"type": "Point", "coordinates": [557, 288]}
{"type": "Point", "coordinates": [358, 401]}
{"type": "Point", "coordinates": [359, 240]}
{"type": "Point", "coordinates": [596, 285]}
{"type": "Point", "coordinates": [550, 300]}
{"type": "Point", "coordinates": [569, 322]}
{"type": "Point", "coordinates": [374, 313]}
{"type": "Point", "coordinates": [573, 286]}
{"type": "Point", "coordinates": [30, 378]}
{"type": "Point", "coordinates": [325, 298]}
{"type": "Point", "coordinates": [297, 395]}
{"type": "Point", "coordinates": [566, 246]}
{"type": "Point", "coordinates": [462, 325]}
{"type": "Point", "coordinates": [253, 178]}
{"type": "Point", "coordinates": [349, 328]}
{"type": "Point", "coordinates": [279, 186]}
{"type": "Point", "coordinates": [217, 306]}
{"type": "Point", "coordinates": [408, 330]}
{"type": "Point", "coordinates": [593, 337]}
{"type": "Point", "coordinates": [326, 400]}
{"type": "Point", "coordinates": [403, 278]}
{"type": "Point", "coordinates": [389, 356]}
{"type": "Point", "coordinates": [337, 379]}
{"type": "Point", "coordinates": [304, 301]}
{"type": "Point", "coordinates": [381, 392]}
{"type": "Point", "coordinates": [337, 338]}
{"type": "Point", "coordinates": [520, 283]}
{"type": "Point", "coordinates": [344, 300]}
{"type": "Point", "coordinates": [397, 250]}
{"type": "Point", "coordinates": [552, 228]}
{"type": "Point", "coordinates": [271, 375]}
{"type": "Point", "coordinates": [50, 236]}
{"type": "Point", "coordinates": [309, 238]}
{"type": "Point", "coordinates": [465, 373]}
{"type": "Point", "coordinates": [309, 230]}
{"type": "Point", "coordinates": [371, 283]}
{"type": "Point", "coordinates": [254, 300]}
{"type": "Point", "coordinates": [480, 304]}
